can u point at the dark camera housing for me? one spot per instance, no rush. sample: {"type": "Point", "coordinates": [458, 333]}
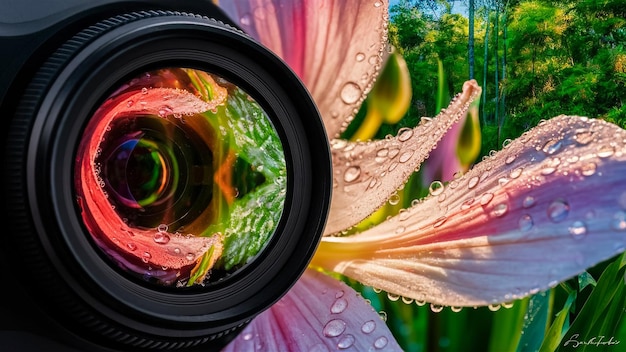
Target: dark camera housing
{"type": "Point", "coordinates": [60, 60]}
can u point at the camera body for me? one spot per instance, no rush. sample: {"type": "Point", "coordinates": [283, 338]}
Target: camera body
{"type": "Point", "coordinates": [69, 283]}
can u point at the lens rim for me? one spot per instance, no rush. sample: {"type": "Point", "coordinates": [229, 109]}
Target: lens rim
{"type": "Point", "coordinates": [87, 79]}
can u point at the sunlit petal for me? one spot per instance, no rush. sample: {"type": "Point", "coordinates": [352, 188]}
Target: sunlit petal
{"type": "Point", "coordinates": [335, 46]}
{"type": "Point", "coordinates": [318, 314]}
{"type": "Point", "coordinates": [551, 204]}
{"type": "Point", "coordinates": [367, 173]}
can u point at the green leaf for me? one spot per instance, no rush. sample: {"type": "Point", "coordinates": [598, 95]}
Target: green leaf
{"type": "Point", "coordinates": [598, 320]}
{"type": "Point", "coordinates": [559, 326]}
{"type": "Point", "coordinates": [535, 321]}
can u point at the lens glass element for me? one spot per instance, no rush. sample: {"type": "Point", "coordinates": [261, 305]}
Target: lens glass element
{"type": "Point", "coordinates": [180, 177]}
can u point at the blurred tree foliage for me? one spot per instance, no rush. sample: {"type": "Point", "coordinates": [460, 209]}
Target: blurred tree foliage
{"type": "Point", "coordinates": [542, 57]}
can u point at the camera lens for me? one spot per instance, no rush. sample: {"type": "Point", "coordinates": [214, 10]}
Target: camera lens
{"type": "Point", "coordinates": [166, 169]}
{"type": "Point", "coordinates": [169, 179]}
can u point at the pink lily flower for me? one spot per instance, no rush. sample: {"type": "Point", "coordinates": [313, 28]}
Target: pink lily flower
{"type": "Point", "coordinates": [547, 206]}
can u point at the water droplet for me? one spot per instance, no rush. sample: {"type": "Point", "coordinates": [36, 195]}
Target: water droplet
{"type": "Point", "coordinates": [510, 159]}
{"type": "Point", "coordinates": [420, 302]}
{"type": "Point", "coordinates": [339, 294]}
{"type": "Point", "coordinates": [526, 223]}
{"type": "Point", "coordinates": [494, 307]}
{"type": "Point", "coordinates": [404, 134]}
{"type": "Point", "coordinates": [131, 246]}
{"type": "Point", "coordinates": [190, 256]}
{"type": "Point", "coordinates": [393, 297]}
{"type": "Point", "coordinates": [583, 137]}
{"type": "Point", "coordinates": [346, 341]}
{"type": "Point", "coordinates": [162, 228]}
{"type": "Point", "coordinates": [473, 182]}
{"type": "Point", "coordinates": [394, 199]}
{"type": "Point", "coordinates": [436, 188]}
{"type": "Point", "coordinates": [377, 290]}
{"type": "Point", "coordinates": [360, 57]}
{"type": "Point", "coordinates": [334, 328]}
{"type": "Point", "coordinates": [383, 315]}
{"type": "Point", "coordinates": [552, 146]}
{"type": "Point", "coordinates": [548, 171]}
{"type": "Point", "coordinates": [177, 250]}
{"type": "Point", "coordinates": [351, 93]}
{"type": "Point", "coordinates": [440, 221]}
{"type": "Point", "coordinates": [352, 174]}
{"type": "Point", "coordinates": [247, 336]}
{"type": "Point", "coordinates": [436, 308]}
{"type": "Point", "coordinates": [528, 202]}
{"type": "Point", "coordinates": [130, 103]}
{"type": "Point", "coordinates": [381, 342]}
{"type": "Point", "coordinates": [406, 156]}
{"type": "Point", "coordinates": [558, 210]}
{"type": "Point", "coordinates": [407, 300]}
{"type": "Point", "coordinates": [467, 204]}
{"type": "Point", "coordinates": [161, 238]}
{"type": "Point", "coordinates": [486, 198]}
{"type": "Point", "coordinates": [146, 257]}
{"type": "Point", "coordinates": [456, 309]}
{"type": "Point", "coordinates": [619, 221]}
{"type": "Point", "coordinates": [378, 4]}
{"type": "Point", "coordinates": [578, 229]}
{"type": "Point", "coordinates": [500, 210]}
{"type": "Point", "coordinates": [368, 327]}
{"type": "Point", "coordinates": [516, 173]}
{"type": "Point", "coordinates": [339, 306]}
{"type": "Point", "coordinates": [605, 151]}
{"type": "Point", "coordinates": [144, 90]}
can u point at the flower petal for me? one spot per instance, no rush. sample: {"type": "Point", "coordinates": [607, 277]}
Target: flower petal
{"type": "Point", "coordinates": [335, 46]}
{"type": "Point", "coordinates": [367, 173]}
{"type": "Point", "coordinates": [551, 204]}
{"type": "Point", "coordinates": [318, 314]}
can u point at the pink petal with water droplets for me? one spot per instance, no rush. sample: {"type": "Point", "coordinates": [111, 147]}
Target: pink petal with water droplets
{"type": "Point", "coordinates": [318, 314]}
{"type": "Point", "coordinates": [367, 173]}
{"type": "Point", "coordinates": [548, 206]}
{"type": "Point", "coordinates": [336, 47]}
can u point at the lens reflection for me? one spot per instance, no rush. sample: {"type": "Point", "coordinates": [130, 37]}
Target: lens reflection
{"type": "Point", "coordinates": [180, 177]}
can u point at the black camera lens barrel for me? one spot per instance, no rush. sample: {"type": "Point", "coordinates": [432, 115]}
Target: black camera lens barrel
{"type": "Point", "coordinates": [84, 292]}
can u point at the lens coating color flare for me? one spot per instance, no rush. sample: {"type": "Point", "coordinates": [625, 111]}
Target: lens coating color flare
{"type": "Point", "coordinates": [180, 177]}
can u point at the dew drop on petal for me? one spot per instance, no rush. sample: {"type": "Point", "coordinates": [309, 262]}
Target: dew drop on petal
{"type": "Point", "coordinates": [383, 315]}
{"type": "Point", "coordinates": [245, 20]}
{"type": "Point", "coordinates": [190, 256]}
{"type": "Point", "coordinates": [144, 90]}
{"type": "Point", "coordinates": [394, 199]}
{"type": "Point", "coordinates": [578, 229]}
{"type": "Point", "coordinates": [436, 308]}
{"type": "Point", "coordinates": [456, 309]}
{"type": "Point", "coordinates": [500, 210]}
{"type": "Point", "coordinates": [339, 306]}
{"type": "Point", "coordinates": [334, 328]}
{"type": "Point", "coordinates": [360, 57]}
{"type": "Point", "coordinates": [406, 156]}
{"type": "Point", "coordinates": [378, 4]}
{"type": "Point", "coordinates": [146, 257]}
{"type": "Point", "coordinates": [583, 137]}
{"type": "Point", "coordinates": [381, 342]}
{"type": "Point", "coordinates": [528, 202]}
{"type": "Point", "coordinates": [368, 327]}
{"type": "Point", "coordinates": [131, 246]}
{"type": "Point", "coordinates": [420, 302]}
{"type": "Point", "coordinates": [161, 238]}
{"type": "Point", "coordinates": [407, 300]}
{"type": "Point", "coordinates": [510, 159]}
{"type": "Point", "coordinates": [526, 223]}
{"type": "Point", "coordinates": [588, 169]}
{"type": "Point", "coordinates": [516, 173]}
{"type": "Point", "coordinates": [162, 228]}
{"type": "Point", "coordinates": [247, 336]}
{"type": "Point", "coordinates": [350, 93]}
{"type": "Point", "coordinates": [346, 341]}
{"type": "Point", "coordinates": [352, 174]}
{"type": "Point", "coordinates": [473, 182]}
{"type": "Point", "coordinates": [558, 210]}
{"type": "Point", "coordinates": [552, 146]}
{"type": "Point", "coordinates": [436, 188]}
{"type": "Point", "coordinates": [440, 221]}
{"type": "Point", "coordinates": [486, 198]}
{"type": "Point", "coordinates": [393, 297]}
{"type": "Point", "coordinates": [494, 307]}
{"type": "Point", "coordinates": [405, 134]}
{"type": "Point", "coordinates": [339, 294]}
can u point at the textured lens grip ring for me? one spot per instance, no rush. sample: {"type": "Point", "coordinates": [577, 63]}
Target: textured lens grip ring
{"type": "Point", "coordinates": [32, 253]}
